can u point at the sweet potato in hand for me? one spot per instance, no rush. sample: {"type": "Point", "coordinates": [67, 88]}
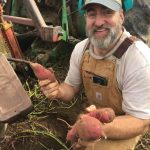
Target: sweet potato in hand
{"type": "Point", "coordinates": [72, 134]}
{"type": "Point", "coordinates": [86, 128]}
{"type": "Point", "coordinates": [42, 73]}
{"type": "Point", "coordinates": [105, 115]}
{"type": "Point", "coordinates": [89, 128]}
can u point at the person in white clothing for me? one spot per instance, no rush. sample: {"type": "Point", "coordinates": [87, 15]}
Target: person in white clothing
{"type": "Point", "coordinates": [114, 68]}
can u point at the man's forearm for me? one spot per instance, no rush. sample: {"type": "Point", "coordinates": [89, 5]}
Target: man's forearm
{"type": "Point", "coordinates": [67, 92]}
{"type": "Point", "coordinates": [125, 127]}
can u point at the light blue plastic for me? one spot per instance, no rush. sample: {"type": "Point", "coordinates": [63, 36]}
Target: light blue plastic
{"type": "Point", "coordinates": [128, 4]}
{"type": "Point", "coordinates": [80, 4]}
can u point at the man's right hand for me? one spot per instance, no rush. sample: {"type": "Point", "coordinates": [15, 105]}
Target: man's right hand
{"type": "Point", "coordinates": [56, 90]}
{"type": "Point", "coordinates": [50, 89]}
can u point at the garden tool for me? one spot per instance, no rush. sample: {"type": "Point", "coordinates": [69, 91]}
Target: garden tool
{"type": "Point", "coordinates": [8, 41]}
{"type": "Point", "coordinates": [47, 32]}
{"type": "Point", "coordinates": [64, 21]}
{"type": "Point", "coordinates": [14, 101]}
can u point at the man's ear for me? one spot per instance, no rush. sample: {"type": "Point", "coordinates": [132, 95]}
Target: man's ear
{"type": "Point", "coordinates": [122, 15]}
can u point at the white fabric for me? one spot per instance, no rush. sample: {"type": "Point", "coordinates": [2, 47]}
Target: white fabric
{"type": "Point", "coordinates": [112, 4]}
{"type": "Point", "coordinates": [133, 75]}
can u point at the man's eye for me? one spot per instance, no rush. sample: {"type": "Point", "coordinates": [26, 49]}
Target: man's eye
{"type": "Point", "coordinates": [91, 14]}
{"type": "Point", "coordinates": [108, 12]}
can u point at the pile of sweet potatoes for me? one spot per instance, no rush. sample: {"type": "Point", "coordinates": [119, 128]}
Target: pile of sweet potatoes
{"type": "Point", "coordinates": [89, 125]}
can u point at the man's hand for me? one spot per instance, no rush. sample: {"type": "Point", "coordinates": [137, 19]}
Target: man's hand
{"type": "Point", "coordinates": [47, 80]}
{"type": "Point", "coordinates": [105, 115]}
{"type": "Point", "coordinates": [50, 89]}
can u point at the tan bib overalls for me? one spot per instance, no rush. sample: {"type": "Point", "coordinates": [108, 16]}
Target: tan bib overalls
{"type": "Point", "coordinates": [103, 94]}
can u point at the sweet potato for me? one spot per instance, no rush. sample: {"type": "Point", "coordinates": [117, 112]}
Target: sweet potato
{"type": "Point", "coordinates": [42, 73]}
{"type": "Point", "coordinates": [86, 128]}
{"type": "Point", "coordinates": [105, 115]}
{"type": "Point", "coordinates": [89, 128]}
{"type": "Point", "coordinates": [72, 135]}
{"type": "Point", "coordinates": [89, 125]}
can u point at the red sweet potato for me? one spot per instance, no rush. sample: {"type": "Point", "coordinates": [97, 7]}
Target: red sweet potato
{"type": "Point", "coordinates": [105, 115]}
{"type": "Point", "coordinates": [72, 135]}
{"type": "Point", "coordinates": [89, 125]}
{"type": "Point", "coordinates": [89, 128]}
{"type": "Point", "coordinates": [42, 73]}
{"type": "Point", "coordinates": [86, 128]}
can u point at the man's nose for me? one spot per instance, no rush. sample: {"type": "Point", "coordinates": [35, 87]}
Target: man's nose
{"type": "Point", "coordinates": [99, 20]}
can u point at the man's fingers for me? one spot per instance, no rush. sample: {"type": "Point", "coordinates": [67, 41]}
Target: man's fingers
{"type": "Point", "coordinates": [91, 108]}
{"type": "Point", "coordinates": [44, 82]}
{"type": "Point", "coordinates": [52, 95]}
{"type": "Point", "coordinates": [49, 86]}
{"type": "Point", "coordinates": [50, 90]}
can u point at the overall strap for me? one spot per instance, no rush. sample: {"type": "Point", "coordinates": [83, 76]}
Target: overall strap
{"type": "Point", "coordinates": [124, 46]}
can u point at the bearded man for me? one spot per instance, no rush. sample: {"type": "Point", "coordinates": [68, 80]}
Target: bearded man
{"type": "Point", "coordinates": [114, 68]}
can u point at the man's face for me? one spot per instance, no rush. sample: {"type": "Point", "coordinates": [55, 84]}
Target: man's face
{"type": "Point", "coordinates": [103, 25]}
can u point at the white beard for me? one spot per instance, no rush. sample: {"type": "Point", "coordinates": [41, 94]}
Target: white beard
{"type": "Point", "coordinates": [104, 43]}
